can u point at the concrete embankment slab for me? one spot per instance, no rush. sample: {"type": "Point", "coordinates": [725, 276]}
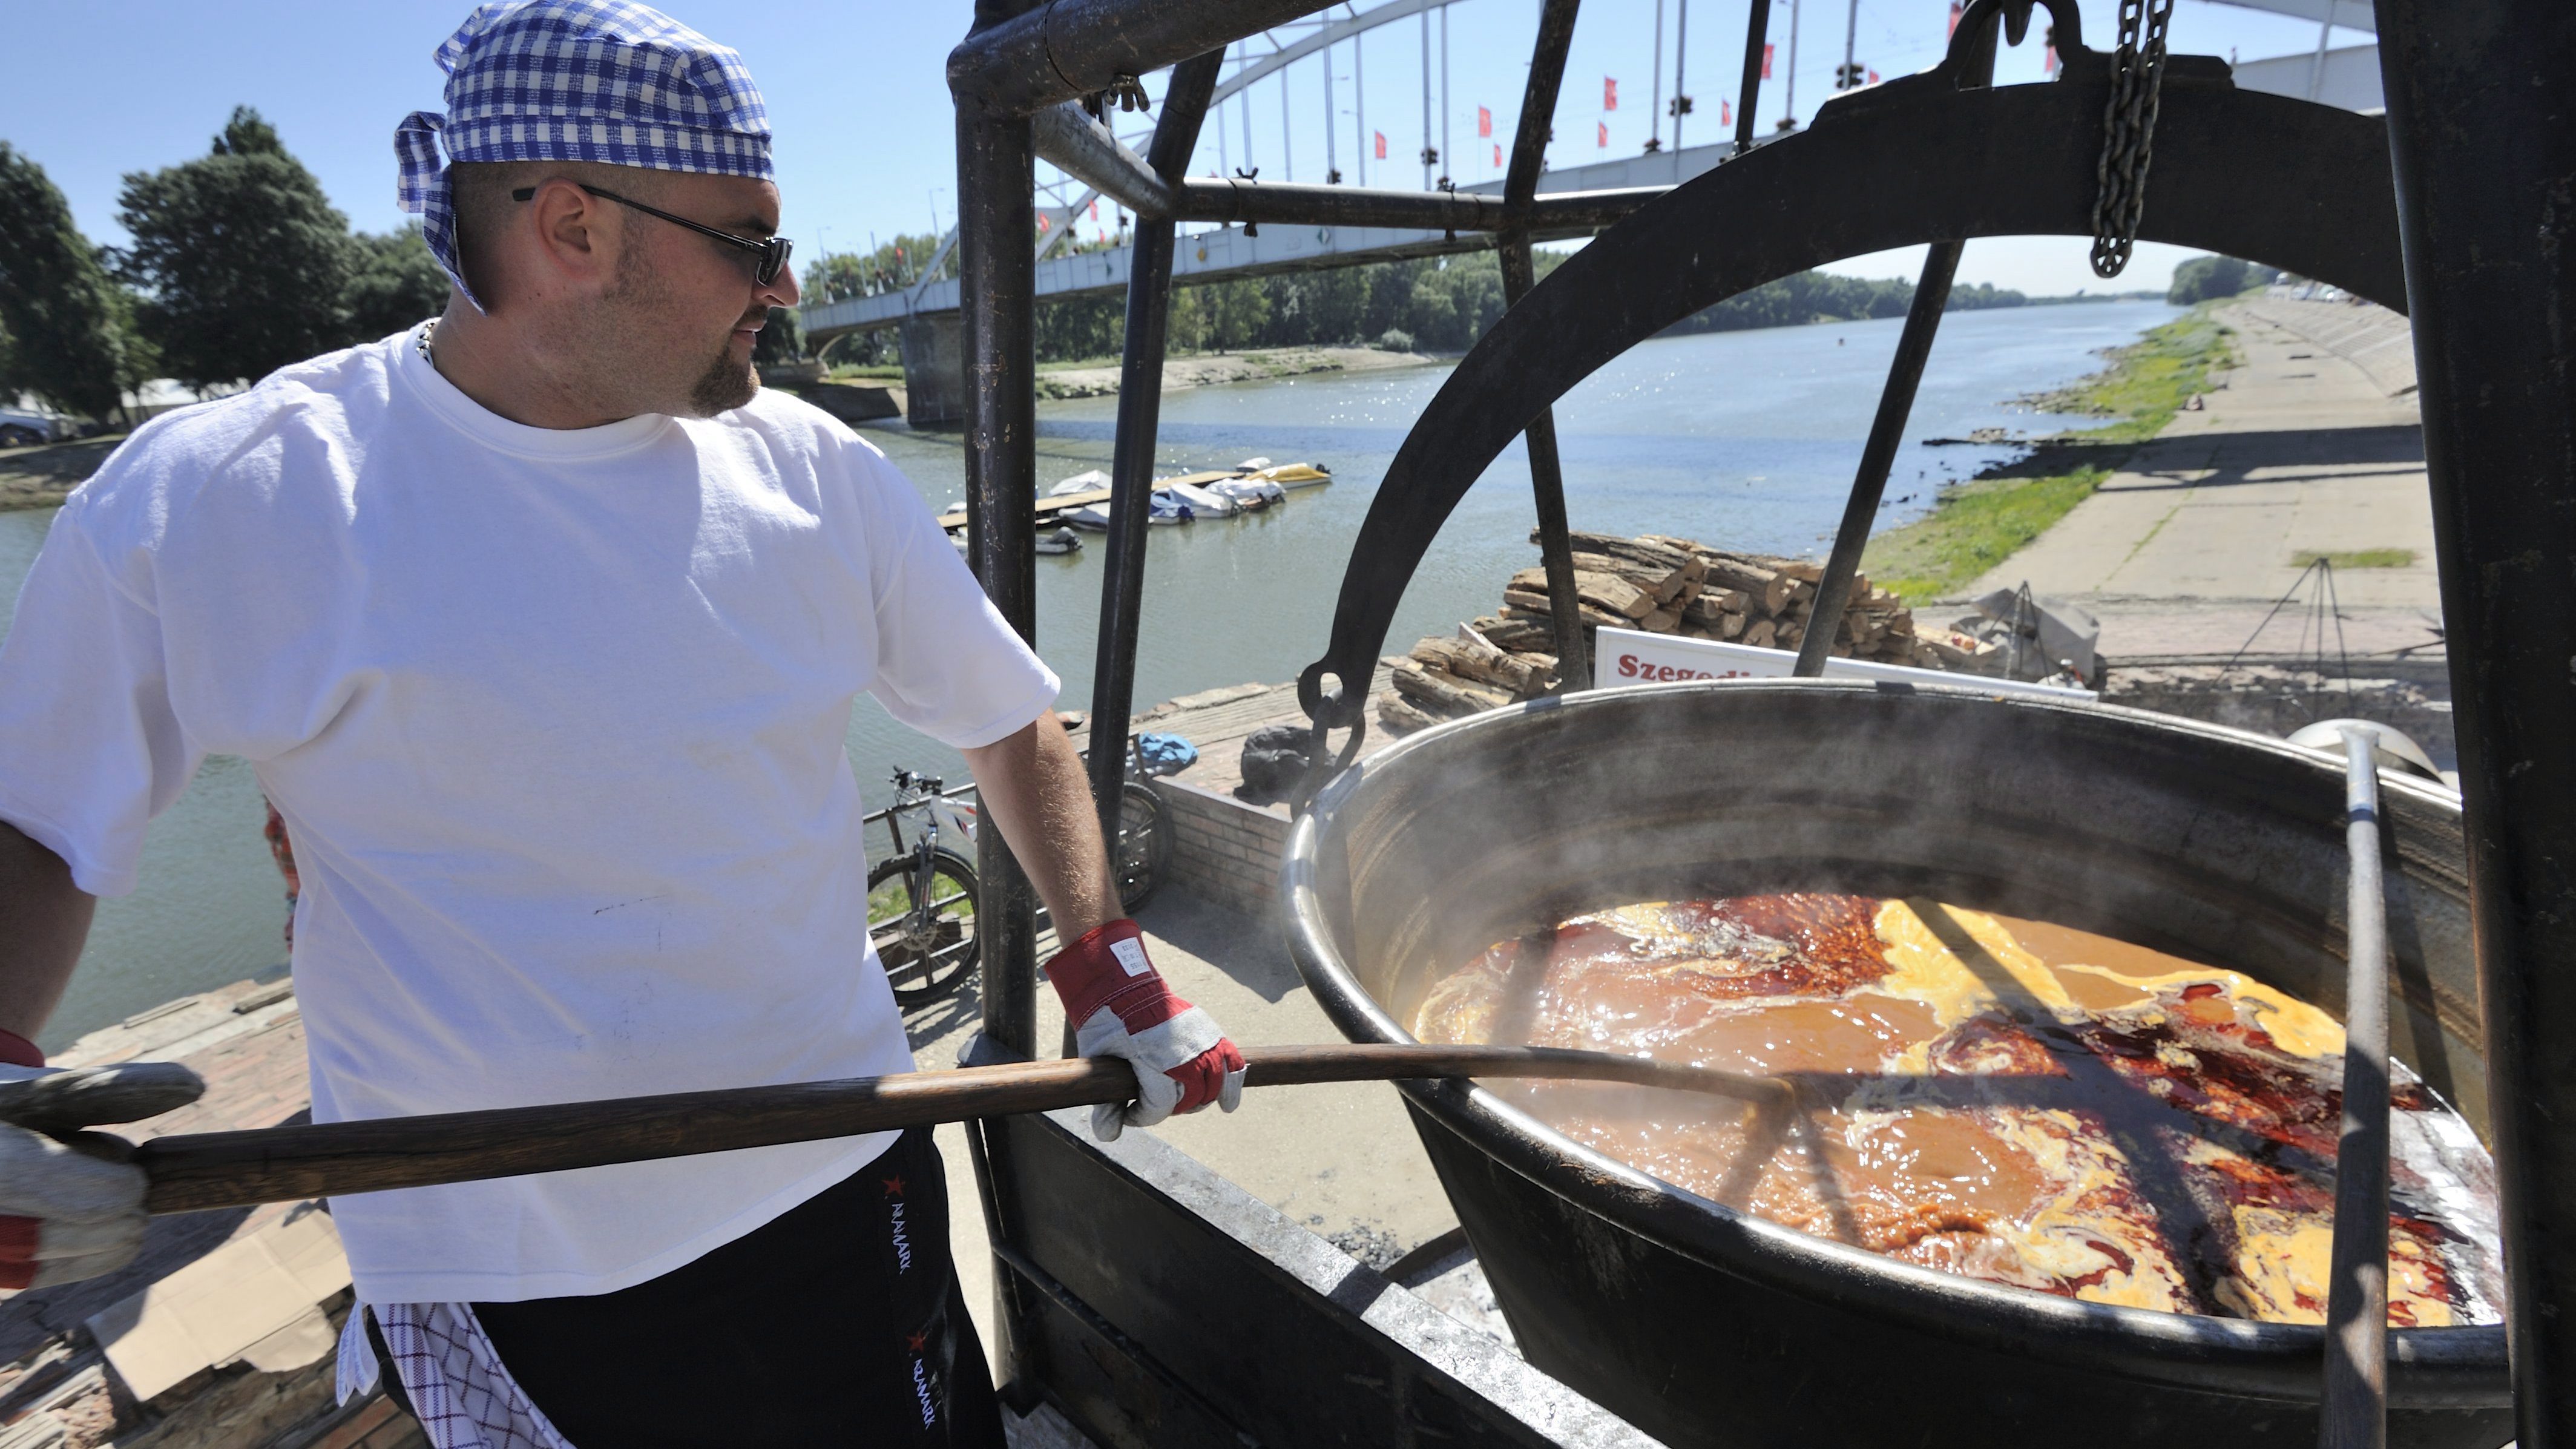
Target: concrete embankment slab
{"type": "Point", "coordinates": [2301, 450]}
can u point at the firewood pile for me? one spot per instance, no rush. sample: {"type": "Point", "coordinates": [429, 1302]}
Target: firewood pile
{"type": "Point", "coordinates": [1659, 585]}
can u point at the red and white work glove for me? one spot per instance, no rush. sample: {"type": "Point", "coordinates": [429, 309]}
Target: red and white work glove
{"type": "Point", "coordinates": [1120, 1008]}
{"type": "Point", "coordinates": [64, 1213]}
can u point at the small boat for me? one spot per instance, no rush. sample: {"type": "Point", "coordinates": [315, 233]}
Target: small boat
{"type": "Point", "coordinates": [958, 539]}
{"type": "Point", "coordinates": [1166, 510]}
{"type": "Point", "coordinates": [1295, 475]}
{"type": "Point", "coordinates": [1087, 482]}
{"type": "Point", "coordinates": [1252, 465]}
{"type": "Point", "coordinates": [1062, 540]}
{"type": "Point", "coordinates": [1249, 495]}
{"type": "Point", "coordinates": [1207, 502]}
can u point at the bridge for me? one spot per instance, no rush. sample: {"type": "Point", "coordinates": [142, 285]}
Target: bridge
{"type": "Point", "coordinates": [1367, 224]}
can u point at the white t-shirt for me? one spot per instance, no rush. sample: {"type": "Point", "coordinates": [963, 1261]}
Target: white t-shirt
{"type": "Point", "coordinates": [555, 720]}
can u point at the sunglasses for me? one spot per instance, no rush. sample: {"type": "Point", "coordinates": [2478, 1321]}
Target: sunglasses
{"type": "Point", "coordinates": [771, 254]}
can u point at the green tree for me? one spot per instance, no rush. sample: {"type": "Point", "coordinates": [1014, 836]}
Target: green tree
{"type": "Point", "coordinates": [59, 308]}
{"type": "Point", "coordinates": [2203, 278]}
{"type": "Point", "coordinates": [393, 283]}
{"type": "Point", "coordinates": [246, 265]}
{"type": "Point", "coordinates": [781, 339]}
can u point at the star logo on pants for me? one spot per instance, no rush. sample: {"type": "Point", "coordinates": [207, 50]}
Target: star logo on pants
{"type": "Point", "coordinates": [893, 1186]}
{"type": "Point", "coordinates": [918, 1341]}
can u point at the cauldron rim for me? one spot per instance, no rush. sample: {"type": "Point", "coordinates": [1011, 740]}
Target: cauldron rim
{"type": "Point", "coordinates": [2454, 1367]}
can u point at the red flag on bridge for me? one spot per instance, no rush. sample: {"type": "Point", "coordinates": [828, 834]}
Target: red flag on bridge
{"type": "Point", "coordinates": [1042, 221]}
{"type": "Point", "coordinates": [1605, 133]}
{"type": "Point", "coordinates": [1381, 144]}
{"type": "Point", "coordinates": [1609, 93]}
{"type": "Point", "coordinates": [1766, 60]}
{"type": "Point", "coordinates": [1956, 11]}
{"type": "Point", "coordinates": [2048, 62]}
{"type": "Point", "coordinates": [1725, 114]}
{"type": "Point", "coordinates": [1095, 208]}
{"type": "Point", "coordinates": [1498, 153]}
{"type": "Point", "coordinates": [1484, 122]}
{"type": "Point", "coordinates": [1873, 77]}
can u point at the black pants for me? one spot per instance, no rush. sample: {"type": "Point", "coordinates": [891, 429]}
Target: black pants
{"type": "Point", "coordinates": [839, 1323]}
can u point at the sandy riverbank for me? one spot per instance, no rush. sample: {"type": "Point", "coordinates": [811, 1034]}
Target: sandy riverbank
{"type": "Point", "coordinates": [41, 477]}
{"type": "Point", "coordinates": [1211, 369]}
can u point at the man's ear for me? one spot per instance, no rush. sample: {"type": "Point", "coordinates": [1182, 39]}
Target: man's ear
{"type": "Point", "coordinates": [576, 242]}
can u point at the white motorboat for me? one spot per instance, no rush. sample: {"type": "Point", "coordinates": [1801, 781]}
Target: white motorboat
{"type": "Point", "coordinates": [1091, 481]}
{"type": "Point", "coordinates": [1206, 502]}
{"type": "Point", "coordinates": [1249, 495]}
{"type": "Point", "coordinates": [1166, 510]}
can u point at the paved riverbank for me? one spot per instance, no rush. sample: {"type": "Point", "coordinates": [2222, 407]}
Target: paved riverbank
{"type": "Point", "coordinates": [2311, 445]}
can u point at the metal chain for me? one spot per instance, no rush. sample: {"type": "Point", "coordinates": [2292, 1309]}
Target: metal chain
{"type": "Point", "coordinates": [2128, 133]}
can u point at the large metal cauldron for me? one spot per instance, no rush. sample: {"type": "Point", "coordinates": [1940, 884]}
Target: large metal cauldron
{"type": "Point", "coordinates": [1703, 1326]}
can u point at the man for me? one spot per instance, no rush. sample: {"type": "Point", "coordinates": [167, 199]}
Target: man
{"type": "Point", "coordinates": [541, 625]}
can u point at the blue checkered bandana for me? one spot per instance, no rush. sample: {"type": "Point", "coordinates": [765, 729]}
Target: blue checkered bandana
{"type": "Point", "coordinates": [578, 80]}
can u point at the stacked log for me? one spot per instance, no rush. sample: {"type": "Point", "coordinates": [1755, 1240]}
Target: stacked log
{"type": "Point", "coordinates": [1446, 678]}
{"type": "Point", "coordinates": [1654, 583]}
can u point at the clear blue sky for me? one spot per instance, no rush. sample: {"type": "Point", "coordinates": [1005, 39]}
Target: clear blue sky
{"type": "Point", "coordinates": [857, 96]}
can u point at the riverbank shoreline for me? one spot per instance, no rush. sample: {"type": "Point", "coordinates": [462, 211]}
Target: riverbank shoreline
{"type": "Point", "coordinates": [1215, 369]}
{"type": "Point", "coordinates": [1980, 522]}
{"type": "Point", "coordinates": [43, 476]}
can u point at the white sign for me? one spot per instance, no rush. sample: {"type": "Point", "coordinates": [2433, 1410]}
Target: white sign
{"type": "Point", "coordinates": [1629, 656]}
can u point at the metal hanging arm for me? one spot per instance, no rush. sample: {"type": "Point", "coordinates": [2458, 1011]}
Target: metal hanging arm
{"type": "Point", "coordinates": [1547, 473]}
{"type": "Point", "coordinates": [1131, 466]}
{"type": "Point", "coordinates": [1895, 404]}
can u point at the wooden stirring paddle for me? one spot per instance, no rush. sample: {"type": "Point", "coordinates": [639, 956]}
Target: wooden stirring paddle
{"type": "Point", "coordinates": [194, 1171]}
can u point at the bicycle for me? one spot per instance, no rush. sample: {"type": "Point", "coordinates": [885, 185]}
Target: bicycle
{"type": "Point", "coordinates": [921, 899]}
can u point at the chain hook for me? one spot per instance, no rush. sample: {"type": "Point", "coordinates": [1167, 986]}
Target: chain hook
{"type": "Point", "coordinates": [2128, 133]}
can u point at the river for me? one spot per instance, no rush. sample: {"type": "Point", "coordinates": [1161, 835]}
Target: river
{"type": "Point", "coordinates": [1742, 438]}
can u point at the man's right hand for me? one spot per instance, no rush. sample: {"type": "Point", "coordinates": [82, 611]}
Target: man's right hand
{"type": "Point", "coordinates": [66, 1214]}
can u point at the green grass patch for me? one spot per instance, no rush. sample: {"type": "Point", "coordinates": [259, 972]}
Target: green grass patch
{"type": "Point", "coordinates": [1976, 525]}
{"type": "Point", "coordinates": [2358, 558]}
{"type": "Point", "coordinates": [2149, 380]}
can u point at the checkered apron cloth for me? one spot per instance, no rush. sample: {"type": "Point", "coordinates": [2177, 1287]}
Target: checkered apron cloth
{"type": "Point", "coordinates": [464, 1396]}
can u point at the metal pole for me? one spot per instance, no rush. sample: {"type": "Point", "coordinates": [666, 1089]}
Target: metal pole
{"type": "Point", "coordinates": [1681, 49]}
{"type": "Point", "coordinates": [1131, 466]}
{"type": "Point", "coordinates": [1851, 36]}
{"type": "Point", "coordinates": [2483, 157]}
{"type": "Point", "coordinates": [2354, 1412]}
{"type": "Point", "coordinates": [1448, 158]}
{"type": "Point", "coordinates": [2317, 65]}
{"type": "Point", "coordinates": [1789, 122]}
{"type": "Point", "coordinates": [1886, 433]}
{"type": "Point", "coordinates": [996, 173]}
{"type": "Point", "coordinates": [1757, 32]}
{"type": "Point", "coordinates": [1655, 112]}
{"type": "Point", "coordinates": [1359, 105]}
{"type": "Point", "coordinates": [1287, 157]}
{"type": "Point", "coordinates": [1547, 475]}
{"type": "Point", "coordinates": [1426, 100]}
{"type": "Point", "coordinates": [1332, 161]}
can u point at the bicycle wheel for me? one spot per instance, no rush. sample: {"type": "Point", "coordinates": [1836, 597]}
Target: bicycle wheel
{"type": "Point", "coordinates": [928, 948]}
{"type": "Point", "coordinates": [1144, 843]}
